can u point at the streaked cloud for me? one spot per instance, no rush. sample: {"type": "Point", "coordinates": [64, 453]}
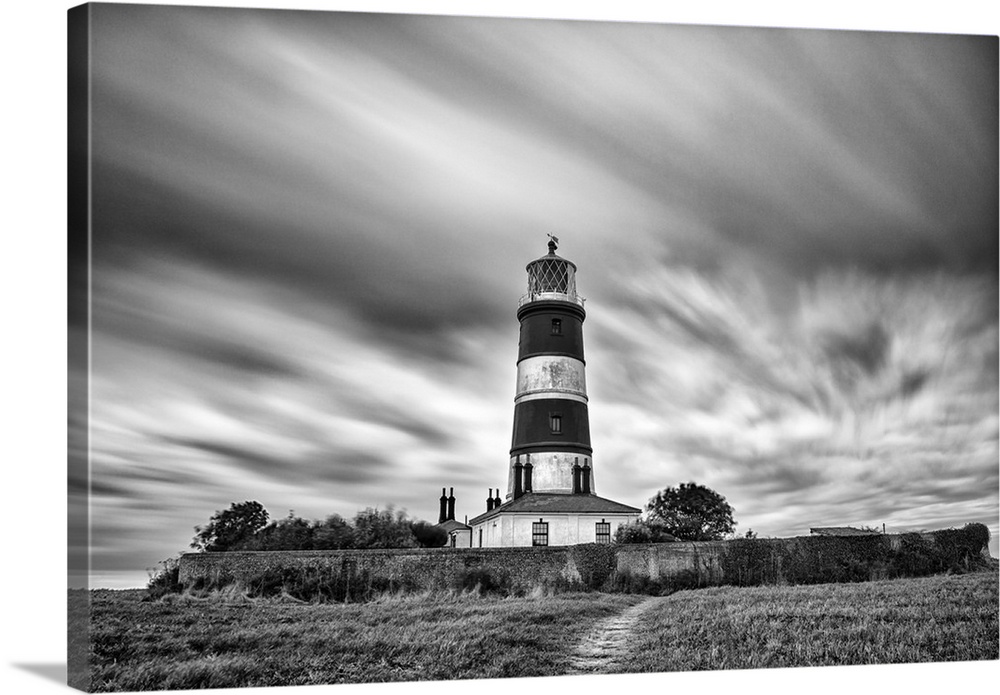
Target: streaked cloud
{"type": "Point", "coordinates": [874, 386]}
{"type": "Point", "coordinates": [310, 233]}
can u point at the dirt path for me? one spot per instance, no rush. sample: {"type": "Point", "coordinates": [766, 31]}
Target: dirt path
{"type": "Point", "coordinates": [598, 652]}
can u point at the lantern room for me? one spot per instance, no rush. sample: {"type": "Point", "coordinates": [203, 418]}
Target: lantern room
{"type": "Point", "coordinates": [551, 277]}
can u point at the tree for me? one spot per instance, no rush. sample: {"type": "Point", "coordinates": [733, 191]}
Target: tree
{"type": "Point", "coordinates": [231, 527]}
{"type": "Point", "coordinates": [692, 512]}
{"type": "Point", "coordinates": [383, 529]}
{"type": "Point", "coordinates": [290, 533]}
{"type": "Point", "coordinates": [333, 534]}
{"type": "Point", "coordinates": [245, 526]}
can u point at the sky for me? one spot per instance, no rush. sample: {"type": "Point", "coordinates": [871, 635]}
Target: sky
{"type": "Point", "coordinates": [309, 236]}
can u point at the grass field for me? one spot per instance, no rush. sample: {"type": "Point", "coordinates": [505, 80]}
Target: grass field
{"type": "Point", "coordinates": [216, 643]}
{"type": "Point", "coordinates": [229, 641]}
{"type": "Point", "coordinates": [939, 618]}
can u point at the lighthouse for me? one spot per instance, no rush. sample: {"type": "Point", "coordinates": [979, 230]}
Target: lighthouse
{"type": "Point", "coordinates": [551, 496]}
{"type": "Point", "coordinates": [550, 448]}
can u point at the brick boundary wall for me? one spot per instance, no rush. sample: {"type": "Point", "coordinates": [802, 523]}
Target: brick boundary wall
{"type": "Point", "coordinates": [640, 567]}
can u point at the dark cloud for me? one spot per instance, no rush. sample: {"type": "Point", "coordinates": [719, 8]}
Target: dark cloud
{"type": "Point", "coordinates": [401, 302]}
{"type": "Point", "coordinates": [425, 430]}
{"type": "Point", "coordinates": [775, 477]}
{"type": "Point", "coordinates": [246, 458]}
{"type": "Point", "coordinates": [104, 486]}
{"type": "Point", "coordinates": [912, 382]}
{"type": "Point", "coordinates": [338, 467]}
{"type": "Point", "coordinates": [856, 355]}
{"type": "Point", "coordinates": [149, 472]}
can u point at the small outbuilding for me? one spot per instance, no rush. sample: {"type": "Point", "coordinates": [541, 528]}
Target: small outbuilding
{"type": "Point", "coordinates": [459, 534]}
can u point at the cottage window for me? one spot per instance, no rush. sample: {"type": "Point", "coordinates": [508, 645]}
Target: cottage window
{"type": "Point", "coordinates": [540, 533]}
{"type": "Point", "coordinates": [603, 532]}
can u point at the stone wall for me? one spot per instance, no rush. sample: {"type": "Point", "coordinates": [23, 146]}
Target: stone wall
{"type": "Point", "coordinates": [648, 567]}
{"type": "Point", "coordinates": [696, 563]}
{"type": "Point", "coordinates": [425, 568]}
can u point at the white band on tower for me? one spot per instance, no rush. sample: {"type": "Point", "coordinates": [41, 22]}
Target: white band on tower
{"type": "Point", "coordinates": [551, 376]}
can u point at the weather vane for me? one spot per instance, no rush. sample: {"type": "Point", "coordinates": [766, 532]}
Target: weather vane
{"type": "Point", "coordinates": [554, 243]}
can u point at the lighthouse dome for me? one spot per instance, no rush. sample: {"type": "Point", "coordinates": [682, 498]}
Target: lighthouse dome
{"type": "Point", "coordinates": [551, 277]}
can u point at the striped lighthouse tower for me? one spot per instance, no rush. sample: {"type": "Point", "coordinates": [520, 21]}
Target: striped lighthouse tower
{"type": "Point", "coordinates": [551, 497]}
{"type": "Point", "coordinates": [550, 449]}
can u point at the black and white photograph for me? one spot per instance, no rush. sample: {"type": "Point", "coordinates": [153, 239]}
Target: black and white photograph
{"type": "Point", "coordinates": [426, 345]}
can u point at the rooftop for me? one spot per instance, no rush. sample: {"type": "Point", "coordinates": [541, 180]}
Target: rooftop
{"type": "Point", "coordinates": [452, 525]}
{"type": "Point", "coordinates": [555, 503]}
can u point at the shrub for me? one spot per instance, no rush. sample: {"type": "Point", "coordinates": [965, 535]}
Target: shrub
{"type": "Point", "coordinates": [479, 580]}
{"type": "Point", "coordinates": [644, 531]}
{"type": "Point", "coordinates": [428, 535]}
{"type": "Point", "coordinates": [628, 583]}
{"type": "Point", "coordinates": [811, 560]}
{"type": "Point", "coordinates": [595, 562]}
{"type": "Point", "coordinates": [977, 534]}
{"type": "Point", "coordinates": [961, 550]}
{"type": "Point", "coordinates": [914, 558]}
{"type": "Point", "coordinates": [748, 562]}
{"type": "Point", "coordinates": [319, 584]}
{"type": "Point", "coordinates": [165, 580]}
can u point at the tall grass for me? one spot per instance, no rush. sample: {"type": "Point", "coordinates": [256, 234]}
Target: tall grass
{"type": "Point", "coordinates": [233, 640]}
{"type": "Point", "coordinates": [941, 618]}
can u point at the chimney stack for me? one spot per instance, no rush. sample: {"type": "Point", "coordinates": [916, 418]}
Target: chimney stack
{"type": "Point", "coordinates": [496, 500]}
{"type": "Point", "coordinates": [489, 501]}
{"type": "Point", "coordinates": [451, 504]}
{"type": "Point", "coordinates": [527, 474]}
{"type": "Point", "coordinates": [443, 515]}
{"type": "Point", "coordinates": [576, 475]}
{"type": "Point", "coordinates": [585, 475]}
